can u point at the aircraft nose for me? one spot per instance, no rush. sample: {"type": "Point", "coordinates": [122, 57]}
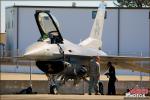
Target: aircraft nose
{"type": "Point", "coordinates": [35, 50]}
{"type": "Point", "coordinates": [42, 51]}
{"type": "Point", "coordinates": [31, 53]}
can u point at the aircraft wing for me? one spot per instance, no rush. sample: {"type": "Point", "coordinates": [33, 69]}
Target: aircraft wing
{"type": "Point", "coordinates": [133, 67]}
{"type": "Point", "coordinates": [110, 57]}
{"type": "Point", "coordinates": [141, 64]}
{"type": "Point", "coordinates": [124, 58]}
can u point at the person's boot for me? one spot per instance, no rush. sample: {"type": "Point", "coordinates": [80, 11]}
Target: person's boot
{"type": "Point", "coordinates": [96, 93]}
{"type": "Point", "coordinates": [90, 93]}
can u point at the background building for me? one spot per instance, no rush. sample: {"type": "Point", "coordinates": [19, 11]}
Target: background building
{"type": "Point", "coordinates": [126, 31]}
{"type": "Point", "coordinates": [2, 43]}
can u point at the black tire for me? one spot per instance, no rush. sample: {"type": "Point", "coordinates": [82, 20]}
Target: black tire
{"type": "Point", "coordinates": [53, 89]}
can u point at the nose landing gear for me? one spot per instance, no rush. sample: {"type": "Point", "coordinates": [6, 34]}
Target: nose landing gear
{"type": "Point", "coordinates": [53, 89]}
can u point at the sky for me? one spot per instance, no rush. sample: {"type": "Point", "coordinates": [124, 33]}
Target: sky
{"type": "Point", "coordinates": [8, 3]}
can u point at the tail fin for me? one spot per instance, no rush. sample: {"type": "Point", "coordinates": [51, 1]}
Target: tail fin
{"type": "Point", "coordinates": [94, 40]}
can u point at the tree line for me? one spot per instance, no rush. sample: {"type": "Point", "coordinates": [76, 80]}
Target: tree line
{"type": "Point", "coordinates": [133, 3]}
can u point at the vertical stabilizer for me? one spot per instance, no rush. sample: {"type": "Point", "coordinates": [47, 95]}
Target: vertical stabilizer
{"type": "Point", "coordinates": [94, 40]}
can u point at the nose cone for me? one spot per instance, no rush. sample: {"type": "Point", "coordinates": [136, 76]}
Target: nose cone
{"type": "Point", "coordinates": [35, 51]}
{"type": "Point", "coordinates": [42, 51]}
{"type": "Point", "coordinates": [30, 53]}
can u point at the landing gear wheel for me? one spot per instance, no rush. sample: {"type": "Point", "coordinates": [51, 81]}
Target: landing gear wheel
{"type": "Point", "coordinates": [53, 89]}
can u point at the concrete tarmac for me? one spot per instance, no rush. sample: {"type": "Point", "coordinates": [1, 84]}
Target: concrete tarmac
{"type": "Point", "coordinates": [67, 97]}
{"type": "Point", "coordinates": [23, 76]}
{"type": "Point", "coordinates": [60, 97]}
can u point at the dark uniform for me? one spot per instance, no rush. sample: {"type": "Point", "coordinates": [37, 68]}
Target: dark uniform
{"type": "Point", "coordinates": [112, 79]}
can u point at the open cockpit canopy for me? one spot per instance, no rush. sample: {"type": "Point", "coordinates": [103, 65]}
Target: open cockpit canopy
{"type": "Point", "coordinates": [48, 27]}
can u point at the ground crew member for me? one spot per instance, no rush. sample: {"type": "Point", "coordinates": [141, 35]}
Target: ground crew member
{"type": "Point", "coordinates": [94, 74]}
{"type": "Point", "coordinates": [112, 79]}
